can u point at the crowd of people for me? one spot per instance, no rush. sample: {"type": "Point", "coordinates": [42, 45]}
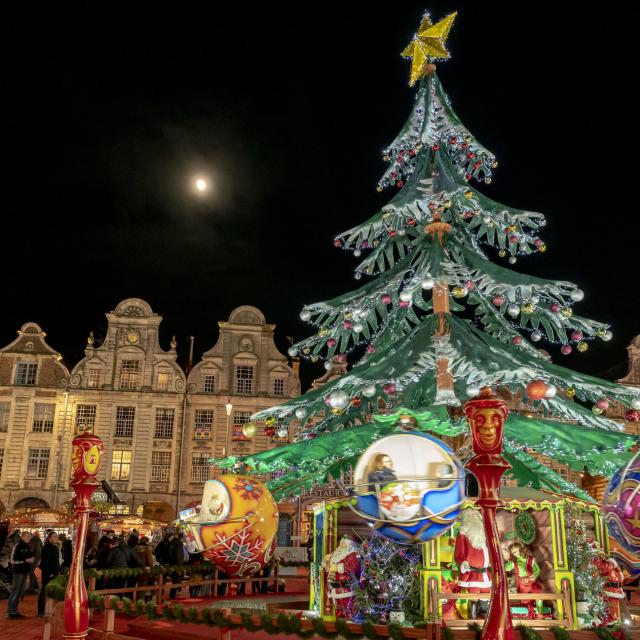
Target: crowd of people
{"type": "Point", "coordinates": [23, 555]}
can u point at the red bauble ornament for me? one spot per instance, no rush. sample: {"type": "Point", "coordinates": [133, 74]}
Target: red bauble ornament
{"type": "Point", "coordinates": [355, 402]}
{"type": "Point", "coordinates": [467, 176]}
{"type": "Point", "coordinates": [411, 222]}
{"type": "Point", "coordinates": [632, 415]}
{"type": "Point", "coordinates": [347, 324]}
{"type": "Point", "coordinates": [536, 389]}
{"type": "Point", "coordinates": [516, 340]}
{"type": "Point", "coordinates": [401, 152]}
{"type": "Point", "coordinates": [385, 298]}
{"type": "Point", "coordinates": [269, 432]}
{"type": "Point", "coordinates": [468, 215]}
{"type": "Point", "coordinates": [577, 335]}
{"type": "Point", "coordinates": [393, 233]}
{"type": "Point", "coordinates": [389, 388]}
{"type": "Point", "coordinates": [404, 303]}
{"type": "Point", "coordinates": [471, 155]}
{"type": "Point", "coordinates": [337, 243]}
{"type": "Point", "coordinates": [453, 140]}
{"type": "Point", "coordinates": [513, 239]}
{"type": "Point", "coordinates": [399, 184]}
{"type": "Point", "coordinates": [371, 349]}
{"type": "Point", "coordinates": [412, 153]}
{"type": "Point", "coordinates": [537, 242]}
{"type": "Point", "coordinates": [554, 308]}
{"type": "Point", "coordinates": [435, 147]}
{"type": "Point", "coordinates": [331, 342]}
{"type": "Point", "coordinates": [341, 358]}
{"type": "Point", "coordinates": [498, 301]}
{"type": "Point", "coordinates": [566, 349]}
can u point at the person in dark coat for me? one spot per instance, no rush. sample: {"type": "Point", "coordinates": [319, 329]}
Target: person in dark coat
{"type": "Point", "coordinates": [21, 560]}
{"type": "Point", "coordinates": [36, 547]}
{"type": "Point", "coordinates": [176, 557]}
{"type": "Point", "coordinates": [161, 551]}
{"type": "Point", "coordinates": [67, 553]}
{"type": "Point", "coordinates": [50, 567]}
{"type": "Point", "coordinates": [381, 471]}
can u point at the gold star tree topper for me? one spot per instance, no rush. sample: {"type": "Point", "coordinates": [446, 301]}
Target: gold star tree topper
{"type": "Point", "coordinates": [428, 44]}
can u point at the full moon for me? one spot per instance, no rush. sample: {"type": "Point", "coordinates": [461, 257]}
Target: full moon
{"type": "Point", "coordinates": [201, 185]}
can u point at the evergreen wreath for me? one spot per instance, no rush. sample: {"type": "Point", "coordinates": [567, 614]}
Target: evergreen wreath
{"type": "Point", "coordinates": [526, 528]}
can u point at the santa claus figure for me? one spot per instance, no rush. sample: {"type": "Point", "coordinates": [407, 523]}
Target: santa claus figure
{"type": "Point", "coordinates": [472, 557]}
{"type": "Point", "coordinates": [612, 591]}
{"type": "Point", "coordinates": [526, 571]}
{"type": "Point", "coordinates": [342, 568]}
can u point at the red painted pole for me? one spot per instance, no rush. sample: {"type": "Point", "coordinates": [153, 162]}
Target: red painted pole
{"type": "Point", "coordinates": [85, 458]}
{"type": "Point", "coordinates": [486, 415]}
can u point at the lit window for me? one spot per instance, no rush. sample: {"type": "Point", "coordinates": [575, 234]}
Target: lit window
{"type": "Point", "coordinates": [92, 378]}
{"type": "Point", "coordinates": [125, 417]}
{"type": "Point", "coordinates": [5, 408]}
{"type": "Point", "coordinates": [129, 370]}
{"type": "Point", "coordinates": [244, 379]}
{"type": "Point", "coordinates": [199, 468]}
{"type": "Point", "coordinates": [240, 418]}
{"type": "Point", "coordinates": [120, 465]}
{"type": "Point", "coordinates": [85, 417]}
{"type": "Point", "coordinates": [43, 415]}
{"type": "Point", "coordinates": [203, 424]}
{"type": "Point", "coordinates": [26, 373]}
{"type": "Point", "coordinates": [164, 423]}
{"type": "Point", "coordinates": [119, 509]}
{"type": "Point", "coordinates": [38, 464]}
{"type": "Point", "coordinates": [209, 384]}
{"type": "Point", "coordinates": [160, 466]}
{"type": "Point", "coordinates": [163, 381]}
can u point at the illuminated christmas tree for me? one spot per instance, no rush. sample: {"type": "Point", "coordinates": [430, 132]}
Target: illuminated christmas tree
{"type": "Point", "coordinates": [443, 313]}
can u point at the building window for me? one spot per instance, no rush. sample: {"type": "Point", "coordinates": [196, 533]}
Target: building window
{"type": "Point", "coordinates": [203, 424]}
{"type": "Point", "coordinates": [163, 381]}
{"type": "Point", "coordinates": [160, 466]}
{"type": "Point", "coordinates": [1, 460]}
{"type": "Point", "coordinates": [26, 373]}
{"type": "Point", "coordinates": [199, 468]}
{"type": "Point", "coordinates": [125, 417]}
{"type": "Point", "coordinates": [129, 374]}
{"type": "Point", "coordinates": [120, 465]}
{"type": "Point", "coordinates": [38, 465]}
{"type": "Point", "coordinates": [244, 379]}
{"type": "Point", "coordinates": [5, 407]}
{"type": "Point", "coordinates": [278, 386]}
{"type": "Point", "coordinates": [92, 378]}
{"type": "Point", "coordinates": [209, 384]}
{"type": "Point", "coordinates": [43, 415]}
{"type": "Point", "coordinates": [240, 418]}
{"type": "Point", "coordinates": [164, 423]}
{"type": "Point", "coordinates": [85, 417]}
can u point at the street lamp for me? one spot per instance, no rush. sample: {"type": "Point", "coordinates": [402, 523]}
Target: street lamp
{"type": "Point", "coordinates": [228, 408]}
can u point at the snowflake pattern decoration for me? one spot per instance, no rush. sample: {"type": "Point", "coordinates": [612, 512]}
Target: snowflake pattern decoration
{"type": "Point", "coordinates": [237, 550]}
{"type": "Point", "coordinates": [247, 489]}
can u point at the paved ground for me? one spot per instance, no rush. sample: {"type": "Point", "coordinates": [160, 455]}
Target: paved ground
{"type": "Point", "coordinates": [28, 629]}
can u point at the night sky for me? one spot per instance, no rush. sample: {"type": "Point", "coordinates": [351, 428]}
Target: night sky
{"type": "Point", "coordinates": [111, 108]}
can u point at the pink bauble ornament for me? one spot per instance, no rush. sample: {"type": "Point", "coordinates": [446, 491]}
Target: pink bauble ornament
{"type": "Point", "coordinates": [331, 342]}
{"type": "Point", "coordinates": [347, 324]}
{"type": "Point", "coordinates": [566, 349]}
{"type": "Point", "coordinates": [602, 403]}
{"type": "Point", "coordinates": [341, 358]}
{"type": "Point", "coordinates": [537, 242]}
{"type": "Point", "coordinates": [516, 340]}
{"type": "Point", "coordinates": [577, 335]}
{"type": "Point", "coordinates": [554, 308]}
{"type": "Point", "coordinates": [327, 400]}
{"type": "Point", "coordinates": [404, 304]}
{"type": "Point", "coordinates": [385, 298]}
{"type": "Point", "coordinates": [470, 285]}
{"type": "Point", "coordinates": [371, 349]}
{"type": "Point", "coordinates": [498, 301]}
{"type": "Point", "coordinates": [389, 388]}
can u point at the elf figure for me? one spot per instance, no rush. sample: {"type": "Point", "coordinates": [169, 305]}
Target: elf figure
{"type": "Point", "coordinates": [472, 557]}
{"type": "Point", "coordinates": [526, 571]}
{"type": "Point", "coordinates": [342, 567]}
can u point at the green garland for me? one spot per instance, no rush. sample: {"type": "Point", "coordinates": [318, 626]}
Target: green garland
{"type": "Point", "coordinates": [526, 528]}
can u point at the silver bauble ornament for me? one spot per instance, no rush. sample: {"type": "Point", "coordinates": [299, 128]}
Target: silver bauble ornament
{"type": "Point", "coordinates": [401, 232]}
{"type": "Point", "coordinates": [536, 336]}
{"type": "Point", "coordinates": [576, 295]}
{"type": "Point", "coordinates": [369, 391]}
{"type": "Point", "coordinates": [513, 310]}
{"type": "Point", "coordinates": [405, 296]}
{"type": "Point", "coordinates": [292, 351]}
{"type": "Point", "coordinates": [305, 315]}
{"type": "Point", "coordinates": [428, 283]}
{"type": "Point", "coordinates": [357, 276]}
{"type": "Point", "coordinates": [327, 365]}
{"type": "Point", "coordinates": [357, 253]}
{"type": "Point", "coordinates": [357, 327]}
{"type": "Point", "coordinates": [513, 260]}
{"type": "Point", "coordinates": [300, 413]}
{"type": "Point", "coordinates": [635, 403]}
{"type": "Point", "coordinates": [338, 399]}
{"type": "Point", "coordinates": [473, 391]}
{"type": "Point", "coordinates": [283, 432]}
{"type": "Point", "coordinates": [551, 391]}
{"type": "Point", "coordinates": [607, 336]}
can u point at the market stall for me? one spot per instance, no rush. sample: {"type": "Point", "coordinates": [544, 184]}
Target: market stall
{"type": "Point", "coordinates": [126, 524]}
{"type": "Point", "coordinates": [42, 519]}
